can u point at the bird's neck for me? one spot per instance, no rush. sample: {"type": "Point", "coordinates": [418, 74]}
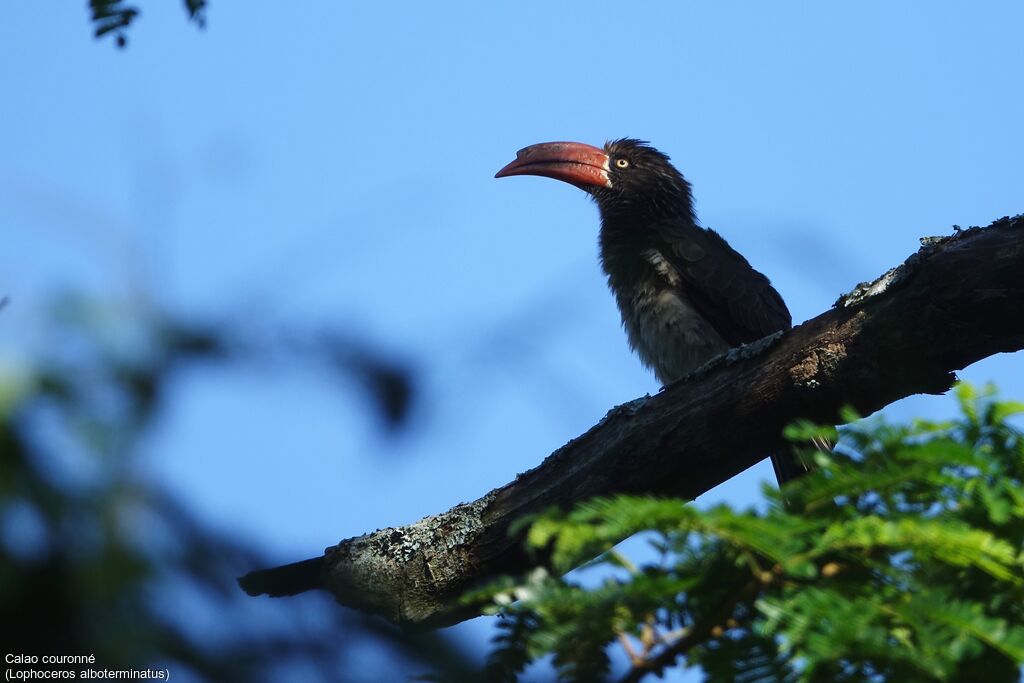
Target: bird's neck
{"type": "Point", "coordinates": [628, 218]}
{"type": "Point", "coordinates": [629, 237]}
{"type": "Point", "coordinates": [625, 215]}
{"type": "Point", "coordinates": [627, 223]}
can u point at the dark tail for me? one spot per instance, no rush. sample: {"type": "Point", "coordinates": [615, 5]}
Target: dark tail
{"type": "Point", "coordinates": [787, 466]}
{"type": "Point", "coordinates": [289, 579]}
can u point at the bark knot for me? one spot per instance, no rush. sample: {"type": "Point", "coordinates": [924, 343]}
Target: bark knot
{"type": "Point", "coordinates": [817, 367]}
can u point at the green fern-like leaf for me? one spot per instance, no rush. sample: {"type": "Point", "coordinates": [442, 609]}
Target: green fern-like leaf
{"type": "Point", "coordinates": [899, 559]}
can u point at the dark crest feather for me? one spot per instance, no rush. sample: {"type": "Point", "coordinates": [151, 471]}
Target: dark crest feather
{"type": "Point", "coordinates": [623, 144]}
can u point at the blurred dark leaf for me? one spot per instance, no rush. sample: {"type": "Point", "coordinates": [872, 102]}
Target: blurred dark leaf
{"type": "Point", "coordinates": [111, 564]}
{"type": "Point", "coordinates": [197, 11]}
{"type": "Point", "coordinates": [112, 15]}
{"type": "Point", "coordinates": [388, 383]}
{"type": "Point", "coordinates": [115, 16]}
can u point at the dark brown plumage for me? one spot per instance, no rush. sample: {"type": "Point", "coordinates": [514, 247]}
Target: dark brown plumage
{"type": "Point", "coordinates": [685, 295]}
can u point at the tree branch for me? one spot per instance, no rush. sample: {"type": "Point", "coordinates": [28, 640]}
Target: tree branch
{"type": "Point", "coordinates": [697, 634]}
{"type": "Point", "coordinates": [955, 301]}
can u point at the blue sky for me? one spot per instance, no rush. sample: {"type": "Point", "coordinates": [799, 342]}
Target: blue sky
{"type": "Point", "coordinates": [335, 162]}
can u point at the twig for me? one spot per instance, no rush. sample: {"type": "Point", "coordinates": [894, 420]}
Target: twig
{"type": "Point", "coordinates": [696, 634]}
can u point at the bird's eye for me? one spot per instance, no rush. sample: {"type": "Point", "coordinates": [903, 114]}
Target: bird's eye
{"type": "Point", "coordinates": [622, 163]}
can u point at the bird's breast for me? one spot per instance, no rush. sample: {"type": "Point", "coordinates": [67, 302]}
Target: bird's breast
{"type": "Point", "coordinates": [662, 325]}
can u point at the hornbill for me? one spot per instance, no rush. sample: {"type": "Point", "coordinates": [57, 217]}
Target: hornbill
{"type": "Point", "coordinates": [685, 295]}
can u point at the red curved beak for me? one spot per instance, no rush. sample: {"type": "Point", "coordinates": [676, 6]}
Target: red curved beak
{"type": "Point", "coordinates": [584, 166]}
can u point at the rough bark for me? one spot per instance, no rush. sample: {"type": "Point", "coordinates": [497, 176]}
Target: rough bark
{"type": "Point", "coordinates": [957, 300]}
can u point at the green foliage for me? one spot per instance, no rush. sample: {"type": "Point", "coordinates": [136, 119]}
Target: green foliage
{"type": "Point", "coordinates": [113, 17]}
{"type": "Point", "coordinates": [898, 559]}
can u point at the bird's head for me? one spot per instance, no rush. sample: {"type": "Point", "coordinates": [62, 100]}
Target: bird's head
{"type": "Point", "coordinates": [627, 178]}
